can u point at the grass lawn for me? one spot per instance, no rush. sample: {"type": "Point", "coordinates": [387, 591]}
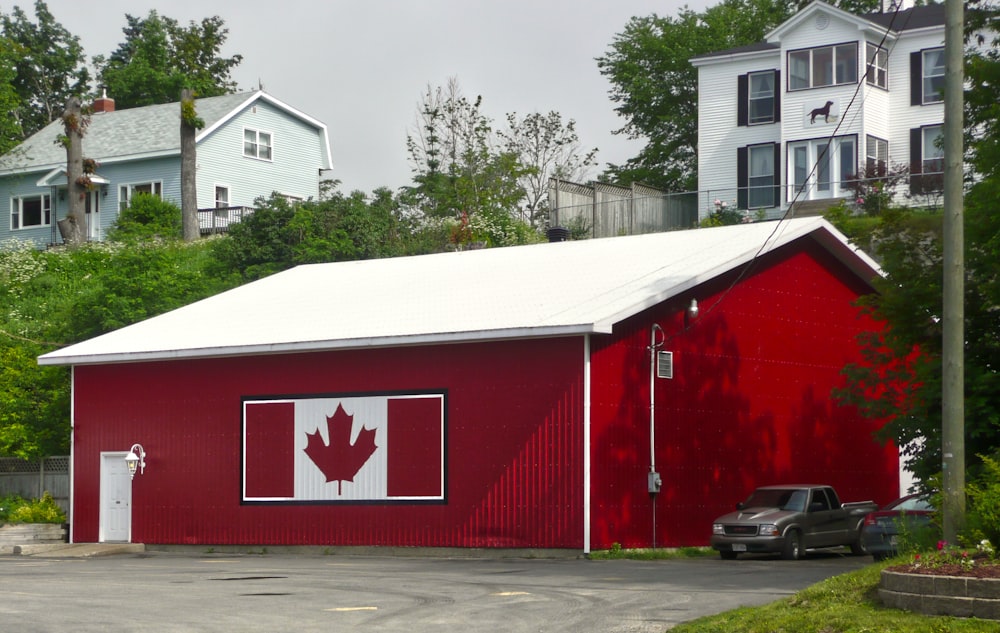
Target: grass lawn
{"type": "Point", "coordinates": [843, 604]}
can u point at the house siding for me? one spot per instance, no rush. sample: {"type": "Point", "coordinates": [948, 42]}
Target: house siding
{"type": "Point", "coordinates": [296, 158]}
{"type": "Point", "coordinates": [748, 405]}
{"type": "Point", "coordinates": [718, 132]}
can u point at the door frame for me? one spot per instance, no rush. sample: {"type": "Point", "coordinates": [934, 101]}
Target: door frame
{"type": "Point", "coordinates": [106, 491]}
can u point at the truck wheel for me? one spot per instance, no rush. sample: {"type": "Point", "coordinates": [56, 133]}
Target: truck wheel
{"type": "Point", "coordinates": [727, 555]}
{"type": "Point", "coordinates": [858, 547]}
{"type": "Point", "coordinates": [793, 546]}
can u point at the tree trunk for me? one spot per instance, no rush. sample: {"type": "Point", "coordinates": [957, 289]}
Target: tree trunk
{"type": "Point", "coordinates": [189, 165]}
{"type": "Point", "coordinates": [73, 227]}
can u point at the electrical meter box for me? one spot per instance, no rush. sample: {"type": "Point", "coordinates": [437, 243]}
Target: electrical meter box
{"type": "Point", "coordinates": [655, 482]}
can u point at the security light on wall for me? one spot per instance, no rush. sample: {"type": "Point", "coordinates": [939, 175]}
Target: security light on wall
{"type": "Point", "coordinates": [136, 460]}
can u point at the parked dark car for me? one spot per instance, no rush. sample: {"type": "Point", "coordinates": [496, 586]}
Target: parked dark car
{"type": "Point", "coordinates": [882, 529]}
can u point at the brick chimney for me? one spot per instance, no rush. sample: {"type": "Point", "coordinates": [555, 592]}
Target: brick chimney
{"type": "Point", "coordinates": [104, 103]}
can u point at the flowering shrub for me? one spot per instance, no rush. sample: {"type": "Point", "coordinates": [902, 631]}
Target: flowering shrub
{"type": "Point", "coordinates": [947, 555]}
{"type": "Point", "coordinates": [721, 213]}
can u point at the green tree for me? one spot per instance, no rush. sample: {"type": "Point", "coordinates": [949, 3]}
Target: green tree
{"type": "Point", "coordinates": [547, 148]}
{"type": "Point", "coordinates": [10, 128]}
{"type": "Point", "coordinates": [655, 86]}
{"type": "Point", "coordinates": [159, 57]}
{"type": "Point", "coordinates": [280, 235]}
{"type": "Point", "coordinates": [51, 66]}
{"type": "Point", "coordinates": [463, 173]}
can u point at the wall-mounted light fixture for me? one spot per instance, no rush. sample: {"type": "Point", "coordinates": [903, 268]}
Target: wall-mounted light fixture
{"type": "Point", "coordinates": [136, 460]}
{"type": "Point", "coordinates": [693, 309]}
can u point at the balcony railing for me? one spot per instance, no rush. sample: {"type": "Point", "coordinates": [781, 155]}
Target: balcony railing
{"type": "Point", "coordinates": [218, 220]}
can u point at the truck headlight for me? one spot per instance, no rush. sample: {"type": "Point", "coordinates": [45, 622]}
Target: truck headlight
{"type": "Point", "coordinates": [718, 529]}
{"type": "Point", "coordinates": [768, 530]}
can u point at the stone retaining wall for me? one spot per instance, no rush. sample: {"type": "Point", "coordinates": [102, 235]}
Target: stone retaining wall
{"type": "Point", "coordinates": [941, 595]}
{"type": "Point", "coordinates": [31, 533]}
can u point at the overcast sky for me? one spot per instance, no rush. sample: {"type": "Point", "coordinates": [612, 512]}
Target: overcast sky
{"type": "Point", "coordinates": [361, 66]}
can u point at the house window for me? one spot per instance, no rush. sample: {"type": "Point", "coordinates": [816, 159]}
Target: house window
{"type": "Point", "coordinates": [126, 192]}
{"type": "Point", "coordinates": [756, 176]}
{"type": "Point", "coordinates": [932, 152]}
{"type": "Point", "coordinates": [823, 168]}
{"type": "Point", "coordinates": [933, 76]}
{"type": "Point", "coordinates": [926, 159]}
{"type": "Point", "coordinates": [257, 144]}
{"type": "Point", "coordinates": [761, 183]}
{"type": "Point", "coordinates": [876, 157]}
{"type": "Point", "coordinates": [927, 76]}
{"type": "Point", "coordinates": [878, 63]}
{"type": "Point", "coordinates": [757, 97]}
{"type": "Point", "coordinates": [221, 197]}
{"type": "Point", "coordinates": [762, 97]}
{"type": "Point", "coordinates": [823, 66]}
{"type": "Point", "coordinates": [30, 211]}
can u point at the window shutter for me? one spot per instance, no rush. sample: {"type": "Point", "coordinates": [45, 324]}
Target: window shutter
{"type": "Point", "coordinates": [916, 160]}
{"type": "Point", "coordinates": [777, 96]}
{"type": "Point", "coordinates": [916, 78]}
{"type": "Point", "coordinates": [742, 178]}
{"type": "Point", "coordinates": [742, 100]}
{"type": "Point", "coordinates": [777, 174]}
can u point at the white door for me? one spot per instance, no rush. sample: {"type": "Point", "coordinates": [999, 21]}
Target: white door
{"type": "Point", "coordinates": [822, 168]}
{"type": "Point", "coordinates": [116, 499]}
{"type": "Point", "coordinates": [93, 209]}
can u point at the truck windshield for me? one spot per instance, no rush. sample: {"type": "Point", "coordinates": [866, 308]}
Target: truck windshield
{"type": "Point", "coordinates": [784, 499]}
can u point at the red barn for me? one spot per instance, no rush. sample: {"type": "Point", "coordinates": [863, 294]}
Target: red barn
{"type": "Point", "coordinates": [510, 397]}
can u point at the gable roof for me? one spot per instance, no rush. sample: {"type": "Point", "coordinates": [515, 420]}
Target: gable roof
{"type": "Point", "coordinates": [145, 132]}
{"type": "Point", "coordinates": [914, 18]}
{"type": "Point", "coordinates": [542, 290]}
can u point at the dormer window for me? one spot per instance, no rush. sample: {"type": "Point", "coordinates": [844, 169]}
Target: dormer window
{"type": "Point", "coordinates": [823, 66]}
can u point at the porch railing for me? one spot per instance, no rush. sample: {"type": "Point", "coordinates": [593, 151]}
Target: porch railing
{"type": "Point", "coordinates": [218, 220]}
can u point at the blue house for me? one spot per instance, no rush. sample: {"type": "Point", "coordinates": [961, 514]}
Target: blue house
{"type": "Point", "coordinates": [252, 145]}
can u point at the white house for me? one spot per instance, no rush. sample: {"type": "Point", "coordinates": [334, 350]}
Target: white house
{"type": "Point", "coordinates": [252, 145]}
{"type": "Point", "coordinates": [826, 98]}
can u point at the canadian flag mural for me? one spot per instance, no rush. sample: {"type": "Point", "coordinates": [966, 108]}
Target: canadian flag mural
{"type": "Point", "coordinates": [364, 448]}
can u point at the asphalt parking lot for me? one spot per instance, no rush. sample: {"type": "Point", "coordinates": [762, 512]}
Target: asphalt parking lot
{"type": "Point", "coordinates": [170, 592]}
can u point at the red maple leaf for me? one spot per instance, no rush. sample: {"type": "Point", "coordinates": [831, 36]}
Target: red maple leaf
{"type": "Point", "coordinates": [340, 460]}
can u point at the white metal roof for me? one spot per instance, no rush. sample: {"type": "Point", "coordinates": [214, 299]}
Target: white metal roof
{"type": "Point", "coordinates": [551, 289]}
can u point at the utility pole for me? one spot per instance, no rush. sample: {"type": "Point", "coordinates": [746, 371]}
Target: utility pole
{"type": "Point", "coordinates": [953, 299]}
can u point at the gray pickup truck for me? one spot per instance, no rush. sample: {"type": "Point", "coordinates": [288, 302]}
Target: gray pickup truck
{"type": "Point", "coordinates": [789, 520]}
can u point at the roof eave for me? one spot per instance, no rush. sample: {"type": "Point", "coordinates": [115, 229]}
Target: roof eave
{"type": "Point", "coordinates": [728, 57]}
{"type": "Point", "coordinates": [54, 358]}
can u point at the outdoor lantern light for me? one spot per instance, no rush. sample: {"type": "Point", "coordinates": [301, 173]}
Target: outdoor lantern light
{"type": "Point", "coordinates": [136, 460]}
{"type": "Point", "coordinates": [693, 309]}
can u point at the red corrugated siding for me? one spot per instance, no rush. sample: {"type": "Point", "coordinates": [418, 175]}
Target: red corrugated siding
{"type": "Point", "coordinates": [749, 403]}
{"type": "Point", "coordinates": [514, 462]}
